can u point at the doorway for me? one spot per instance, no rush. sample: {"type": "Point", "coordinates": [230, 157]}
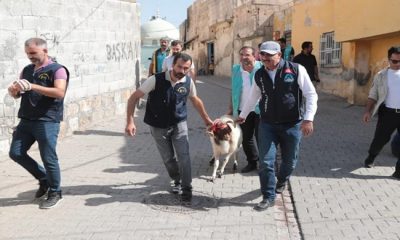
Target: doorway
{"type": "Point", "coordinates": [210, 58]}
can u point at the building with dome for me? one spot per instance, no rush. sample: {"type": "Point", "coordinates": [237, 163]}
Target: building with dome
{"type": "Point", "coordinates": [157, 28]}
{"type": "Point", "coordinates": [151, 32]}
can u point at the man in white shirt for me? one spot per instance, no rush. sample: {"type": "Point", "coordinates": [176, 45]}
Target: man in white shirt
{"type": "Point", "coordinates": [384, 99]}
{"type": "Point", "coordinates": [280, 88]}
{"type": "Point", "coordinates": [176, 47]}
{"type": "Point", "coordinates": [241, 80]}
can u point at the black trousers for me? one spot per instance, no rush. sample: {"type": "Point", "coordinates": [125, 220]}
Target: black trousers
{"type": "Point", "coordinates": [250, 130]}
{"type": "Point", "coordinates": [388, 122]}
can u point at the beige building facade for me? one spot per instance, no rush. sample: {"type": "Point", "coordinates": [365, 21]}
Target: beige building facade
{"type": "Point", "coordinates": [350, 40]}
{"type": "Point", "coordinates": [215, 30]}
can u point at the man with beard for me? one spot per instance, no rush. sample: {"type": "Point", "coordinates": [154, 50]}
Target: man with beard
{"type": "Point", "coordinates": [42, 87]}
{"type": "Point", "coordinates": [158, 57]}
{"type": "Point", "coordinates": [166, 114]}
{"type": "Point", "coordinates": [308, 61]}
{"type": "Point", "coordinates": [176, 47]}
{"type": "Point", "coordinates": [242, 79]}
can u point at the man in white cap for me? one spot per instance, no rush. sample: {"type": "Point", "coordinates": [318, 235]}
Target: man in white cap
{"type": "Point", "coordinates": [281, 87]}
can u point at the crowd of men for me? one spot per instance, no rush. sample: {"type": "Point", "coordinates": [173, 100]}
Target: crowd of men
{"type": "Point", "coordinates": [273, 98]}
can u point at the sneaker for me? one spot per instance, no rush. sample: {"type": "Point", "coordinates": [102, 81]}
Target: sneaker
{"type": "Point", "coordinates": [52, 200]}
{"type": "Point", "coordinates": [176, 188]}
{"type": "Point", "coordinates": [396, 175]}
{"type": "Point", "coordinates": [249, 168]}
{"type": "Point", "coordinates": [264, 205]}
{"type": "Point", "coordinates": [186, 196]}
{"type": "Point", "coordinates": [369, 161]}
{"type": "Point", "coordinates": [280, 187]}
{"type": "Point", "coordinates": [43, 188]}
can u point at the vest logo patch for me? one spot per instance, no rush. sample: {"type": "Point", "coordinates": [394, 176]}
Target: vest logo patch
{"type": "Point", "coordinates": [182, 90]}
{"type": "Point", "coordinates": [288, 78]}
{"type": "Point", "coordinates": [44, 77]}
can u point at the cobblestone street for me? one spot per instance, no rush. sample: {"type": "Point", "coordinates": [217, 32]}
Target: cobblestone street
{"type": "Point", "coordinates": [116, 187]}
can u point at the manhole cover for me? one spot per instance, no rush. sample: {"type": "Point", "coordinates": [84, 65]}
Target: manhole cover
{"type": "Point", "coordinates": [168, 202]}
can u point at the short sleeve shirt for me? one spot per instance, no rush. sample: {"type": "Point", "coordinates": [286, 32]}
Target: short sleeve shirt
{"type": "Point", "coordinates": [150, 84]}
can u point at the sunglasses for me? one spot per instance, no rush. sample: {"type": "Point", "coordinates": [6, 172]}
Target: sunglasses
{"type": "Point", "coordinates": [394, 61]}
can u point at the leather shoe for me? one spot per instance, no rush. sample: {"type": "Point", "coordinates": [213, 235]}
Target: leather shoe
{"type": "Point", "coordinates": [280, 187]}
{"type": "Point", "coordinates": [249, 168]}
{"type": "Point", "coordinates": [264, 205]}
{"type": "Point", "coordinates": [396, 175]}
{"type": "Point", "coordinates": [369, 161]}
{"type": "Point", "coordinates": [186, 196]}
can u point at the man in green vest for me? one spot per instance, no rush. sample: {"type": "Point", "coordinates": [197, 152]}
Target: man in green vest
{"type": "Point", "coordinates": [242, 80]}
{"type": "Point", "coordinates": [158, 57]}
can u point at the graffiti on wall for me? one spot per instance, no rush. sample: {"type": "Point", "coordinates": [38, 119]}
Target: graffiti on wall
{"type": "Point", "coordinates": [120, 51]}
{"type": "Point", "coordinates": [52, 39]}
{"type": "Point", "coordinates": [8, 51]}
{"type": "Point", "coordinates": [80, 58]}
{"type": "Point", "coordinates": [8, 116]}
{"type": "Point", "coordinates": [8, 65]}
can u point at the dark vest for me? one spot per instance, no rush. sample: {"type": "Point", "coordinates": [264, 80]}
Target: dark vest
{"type": "Point", "coordinates": [281, 102]}
{"type": "Point", "coordinates": [35, 106]}
{"type": "Point", "coordinates": [166, 105]}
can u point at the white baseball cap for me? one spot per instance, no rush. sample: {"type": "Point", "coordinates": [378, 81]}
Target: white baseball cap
{"type": "Point", "coordinates": [270, 47]}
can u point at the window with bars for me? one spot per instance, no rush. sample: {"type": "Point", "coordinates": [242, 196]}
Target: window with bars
{"type": "Point", "coordinates": [330, 51]}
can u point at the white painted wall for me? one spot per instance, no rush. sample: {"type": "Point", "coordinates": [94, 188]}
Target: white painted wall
{"type": "Point", "coordinates": [97, 40]}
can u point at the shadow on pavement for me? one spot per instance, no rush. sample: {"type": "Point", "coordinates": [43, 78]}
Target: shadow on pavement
{"type": "Point", "coordinates": [98, 132]}
{"type": "Point", "coordinates": [340, 143]}
{"type": "Point", "coordinates": [149, 195]}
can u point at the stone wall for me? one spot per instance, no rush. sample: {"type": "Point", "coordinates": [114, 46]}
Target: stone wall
{"type": "Point", "coordinates": [228, 25]}
{"type": "Point", "coordinates": [97, 40]}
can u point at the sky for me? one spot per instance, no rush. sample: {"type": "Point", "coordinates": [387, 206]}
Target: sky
{"type": "Point", "coordinates": [174, 11]}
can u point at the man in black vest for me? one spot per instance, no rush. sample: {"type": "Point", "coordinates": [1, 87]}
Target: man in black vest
{"type": "Point", "coordinates": [280, 88]}
{"type": "Point", "coordinates": [42, 87]}
{"type": "Point", "coordinates": [166, 115]}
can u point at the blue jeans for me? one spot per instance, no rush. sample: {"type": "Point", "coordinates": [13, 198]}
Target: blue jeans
{"type": "Point", "coordinates": [288, 137]}
{"type": "Point", "coordinates": [46, 134]}
{"type": "Point", "coordinates": [175, 140]}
